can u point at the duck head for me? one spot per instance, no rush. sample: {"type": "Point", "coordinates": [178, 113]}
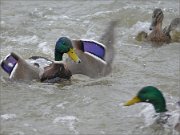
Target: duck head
{"type": "Point", "coordinates": [157, 18]}
{"type": "Point", "coordinates": [64, 45]}
{"type": "Point", "coordinates": [152, 95]}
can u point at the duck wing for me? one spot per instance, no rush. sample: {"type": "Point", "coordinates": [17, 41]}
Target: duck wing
{"type": "Point", "coordinates": [174, 30]}
{"type": "Point", "coordinates": [18, 68]}
{"type": "Point", "coordinates": [96, 57]}
{"type": "Point", "coordinates": [174, 26]}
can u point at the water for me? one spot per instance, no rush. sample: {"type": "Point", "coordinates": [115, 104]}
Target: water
{"type": "Point", "coordinates": [84, 105]}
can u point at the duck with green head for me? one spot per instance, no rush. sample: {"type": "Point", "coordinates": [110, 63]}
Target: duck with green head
{"type": "Point", "coordinates": [154, 96]}
{"type": "Point", "coordinates": [37, 67]}
{"type": "Point", "coordinates": [64, 45]}
{"type": "Point", "coordinates": [56, 71]}
{"type": "Point", "coordinates": [151, 95]}
{"type": "Point", "coordinates": [94, 60]}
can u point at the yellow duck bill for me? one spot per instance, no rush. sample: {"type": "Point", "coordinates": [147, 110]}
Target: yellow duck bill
{"type": "Point", "coordinates": [132, 101]}
{"type": "Point", "coordinates": [71, 53]}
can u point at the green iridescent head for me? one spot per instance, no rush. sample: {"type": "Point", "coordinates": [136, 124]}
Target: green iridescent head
{"type": "Point", "coordinates": [64, 45]}
{"type": "Point", "coordinates": [150, 94]}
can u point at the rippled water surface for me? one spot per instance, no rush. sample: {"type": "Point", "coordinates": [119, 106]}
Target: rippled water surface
{"type": "Point", "coordinates": [84, 105]}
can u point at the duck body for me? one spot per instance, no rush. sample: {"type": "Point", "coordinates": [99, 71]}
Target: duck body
{"type": "Point", "coordinates": [157, 36]}
{"type": "Point", "coordinates": [50, 71]}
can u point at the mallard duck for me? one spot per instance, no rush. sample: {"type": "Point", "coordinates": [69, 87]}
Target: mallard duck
{"type": "Point", "coordinates": [159, 35]}
{"type": "Point", "coordinates": [154, 96]}
{"type": "Point", "coordinates": [37, 67]}
{"type": "Point", "coordinates": [92, 58]}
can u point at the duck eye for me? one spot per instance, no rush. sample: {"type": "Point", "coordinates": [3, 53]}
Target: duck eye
{"type": "Point", "coordinates": [147, 100]}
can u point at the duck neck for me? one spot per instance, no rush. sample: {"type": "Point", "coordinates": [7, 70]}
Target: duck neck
{"type": "Point", "coordinates": [159, 26]}
{"type": "Point", "coordinates": [159, 106]}
{"type": "Point", "coordinates": [58, 56]}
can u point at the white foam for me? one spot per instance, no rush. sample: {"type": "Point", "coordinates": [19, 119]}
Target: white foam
{"type": "Point", "coordinates": [30, 126]}
{"type": "Point", "coordinates": [150, 117]}
{"type": "Point", "coordinates": [45, 48]}
{"type": "Point", "coordinates": [24, 39]}
{"type": "Point", "coordinates": [67, 120]}
{"type": "Point", "coordinates": [148, 112]}
{"type": "Point", "coordinates": [2, 22]}
{"type": "Point", "coordinates": [18, 133]}
{"type": "Point", "coordinates": [140, 26]}
{"type": "Point", "coordinates": [8, 116]}
{"type": "Point", "coordinates": [175, 118]}
{"type": "Point", "coordinates": [61, 105]}
{"type": "Point", "coordinates": [103, 13]}
{"type": "Point", "coordinates": [55, 17]}
{"type": "Point", "coordinates": [42, 44]}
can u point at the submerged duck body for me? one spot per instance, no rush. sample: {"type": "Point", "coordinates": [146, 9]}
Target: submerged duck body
{"type": "Point", "coordinates": [154, 96]}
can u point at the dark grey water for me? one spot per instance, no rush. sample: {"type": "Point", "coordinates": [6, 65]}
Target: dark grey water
{"type": "Point", "coordinates": [84, 105]}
